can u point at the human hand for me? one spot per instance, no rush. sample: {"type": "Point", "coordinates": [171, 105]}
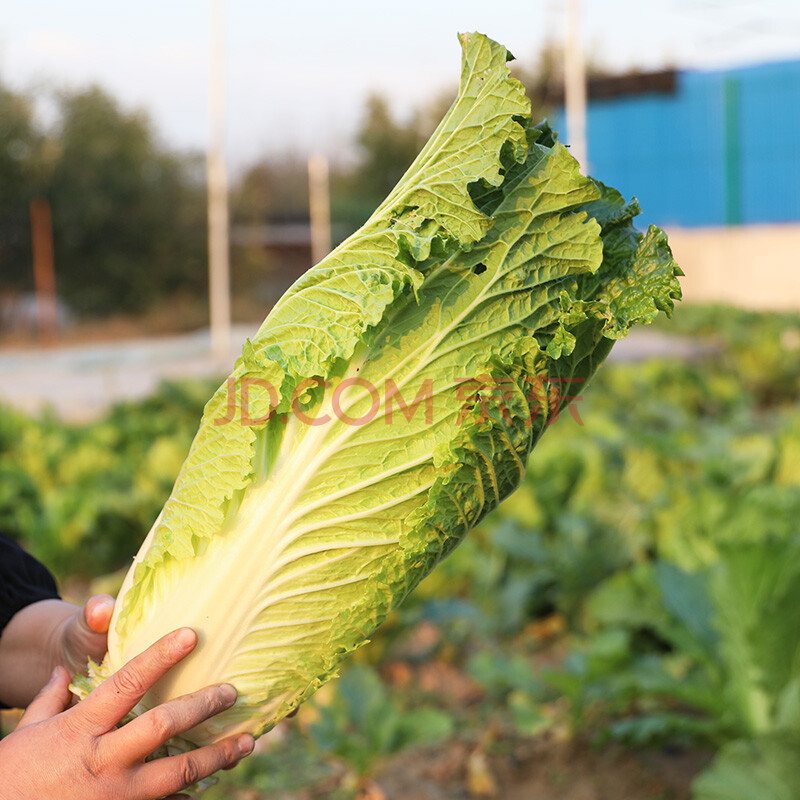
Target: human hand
{"type": "Point", "coordinates": [83, 634]}
{"type": "Point", "coordinates": [79, 754]}
{"type": "Point", "coordinates": [47, 634]}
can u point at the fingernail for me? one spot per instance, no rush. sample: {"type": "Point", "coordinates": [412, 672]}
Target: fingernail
{"type": "Point", "coordinates": [98, 611]}
{"type": "Point", "coordinates": [246, 744]}
{"type": "Point", "coordinates": [186, 637]}
{"type": "Point", "coordinates": [54, 674]}
{"type": "Point", "coordinates": [228, 693]}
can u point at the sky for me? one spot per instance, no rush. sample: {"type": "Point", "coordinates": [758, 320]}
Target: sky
{"type": "Point", "coordinates": [298, 73]}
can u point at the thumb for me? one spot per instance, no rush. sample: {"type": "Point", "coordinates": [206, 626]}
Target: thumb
{"type": "Point", "coordinates": [53, 698]}
{"type": "Point", "coordinates": [85, 633]}
{"type": "Point", "coordinates": [97, 613]}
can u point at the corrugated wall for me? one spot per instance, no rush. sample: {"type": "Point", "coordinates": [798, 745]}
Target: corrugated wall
{"type": "Point", "coordinates": [723, 150]}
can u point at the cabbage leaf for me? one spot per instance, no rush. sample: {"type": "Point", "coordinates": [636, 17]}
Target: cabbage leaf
{"type": "Point", "coordinates": [388, 402]}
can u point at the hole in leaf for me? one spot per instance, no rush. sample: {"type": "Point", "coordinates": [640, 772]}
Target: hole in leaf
{"type": "Point", "coordinates": [479, 269]}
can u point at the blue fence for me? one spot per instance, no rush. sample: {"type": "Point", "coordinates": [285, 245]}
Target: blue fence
{"type": "Point", "coordinates": [724, 149]}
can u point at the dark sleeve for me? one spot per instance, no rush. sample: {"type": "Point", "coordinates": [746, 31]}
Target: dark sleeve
{"type": "Point", "coordinates": [23, 580]}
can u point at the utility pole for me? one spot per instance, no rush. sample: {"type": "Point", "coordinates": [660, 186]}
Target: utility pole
{"type": "Point", "coordinates": [575, 86]}
{"type": "Point", "coordinates": [219, 293]}
{"type": "Point", "coordinates": [44, 276]}
{"type": "Point", "coordinates": [319, 207]}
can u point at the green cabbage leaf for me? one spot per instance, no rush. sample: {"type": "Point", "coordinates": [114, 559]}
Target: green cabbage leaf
{"type": "Point", "coordinates": [388, 402]}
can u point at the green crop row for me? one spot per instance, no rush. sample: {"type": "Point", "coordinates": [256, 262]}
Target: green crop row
{"type": "Point", "coordinates": [641, 586]}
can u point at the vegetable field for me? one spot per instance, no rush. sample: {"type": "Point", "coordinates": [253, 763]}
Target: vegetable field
{"type": "Point", "coordinates": [625, 625]}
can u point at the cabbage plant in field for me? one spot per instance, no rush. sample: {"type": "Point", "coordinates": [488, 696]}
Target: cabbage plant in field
{"type": "Point", "coordinates": [388, 402]}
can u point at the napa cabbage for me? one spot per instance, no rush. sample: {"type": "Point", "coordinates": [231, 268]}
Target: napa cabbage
{"type": "Point", "coordinates": [388, 403]}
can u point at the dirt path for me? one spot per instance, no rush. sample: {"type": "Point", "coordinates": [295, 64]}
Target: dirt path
{"type": "Point", "coordinates": [80, 382]}
{"type": "Point", "coordinates": [542, 769]}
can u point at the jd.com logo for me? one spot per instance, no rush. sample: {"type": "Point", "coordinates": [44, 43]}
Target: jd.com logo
{"type": "Point", "coordinates": [544, 397]}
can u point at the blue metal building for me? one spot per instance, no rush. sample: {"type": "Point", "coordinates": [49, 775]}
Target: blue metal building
{"type": "Point", "coordinates": [720, 148]}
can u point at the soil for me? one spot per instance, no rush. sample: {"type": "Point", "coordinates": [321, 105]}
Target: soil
{"type": "Point", "coordinates": [542, 769]}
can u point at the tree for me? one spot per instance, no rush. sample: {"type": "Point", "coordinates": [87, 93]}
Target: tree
{"type": "Point", "coordinates": [273, 189]}
{"type": "Point", "coordinates": [385, 148]}
{"type": "Point", "coordinates": [20, 154]}
{"type": "Point", "coordinates": [128, 215]}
